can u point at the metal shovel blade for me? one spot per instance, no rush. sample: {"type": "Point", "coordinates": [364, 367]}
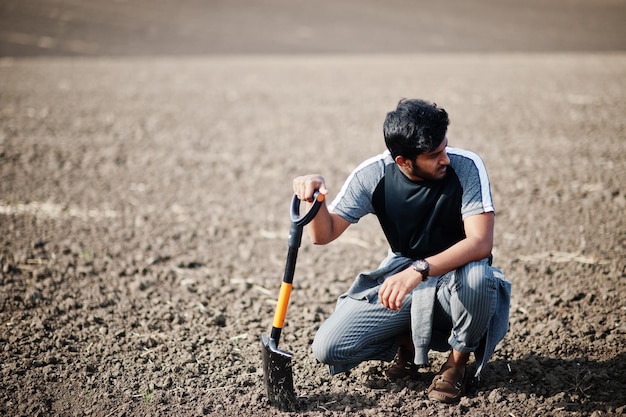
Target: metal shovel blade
{"type": "Point", "coordinates": [278, 375]}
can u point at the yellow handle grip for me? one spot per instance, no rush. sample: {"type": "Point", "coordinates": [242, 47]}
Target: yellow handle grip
{"type": "Point", "coordinates": [281, 307]}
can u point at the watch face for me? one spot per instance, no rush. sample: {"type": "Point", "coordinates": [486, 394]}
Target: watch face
{"type": "Point", "coordinates": [421, 265]}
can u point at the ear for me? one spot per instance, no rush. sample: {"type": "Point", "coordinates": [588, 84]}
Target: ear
{"type": "Point", "coordinates": [403, 162]}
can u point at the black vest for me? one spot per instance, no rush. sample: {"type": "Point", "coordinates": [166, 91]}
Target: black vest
{"type": "Point", "coordinates": [419, 218]}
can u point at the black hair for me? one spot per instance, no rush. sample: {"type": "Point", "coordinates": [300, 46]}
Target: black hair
{"type": "Point", "coordinates": [414, 127]}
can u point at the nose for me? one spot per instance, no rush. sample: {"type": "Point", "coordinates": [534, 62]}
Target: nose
{"type": "Point", "coordinates": [444, 159]}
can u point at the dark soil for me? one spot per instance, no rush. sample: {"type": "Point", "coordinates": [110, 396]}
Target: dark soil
{"type": "Point", "coordinates": [144, 218]}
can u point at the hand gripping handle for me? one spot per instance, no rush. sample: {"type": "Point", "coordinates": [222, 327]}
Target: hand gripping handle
{"type": "Point", "coordinates": [318, 199]}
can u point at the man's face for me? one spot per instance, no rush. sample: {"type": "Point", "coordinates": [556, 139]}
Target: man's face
{"type": "Point", "coordinates": [429, 166]}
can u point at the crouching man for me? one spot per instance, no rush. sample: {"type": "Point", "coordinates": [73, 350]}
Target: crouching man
{"type": "Point", "coordinates": [436, 288]}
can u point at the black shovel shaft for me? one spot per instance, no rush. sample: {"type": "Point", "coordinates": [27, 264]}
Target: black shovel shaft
{"type": "Point", "coordinates": [295, 239]}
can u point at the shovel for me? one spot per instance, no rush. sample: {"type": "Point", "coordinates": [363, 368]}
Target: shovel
{"type": "Point", "coordinates": [277, 363]}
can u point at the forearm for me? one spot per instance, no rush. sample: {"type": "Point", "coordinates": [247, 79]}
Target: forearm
{"type": "Point", "coordinates": [458, 255]}
{"type": "Point", "coordinates": [320, 228]}
{"type": "Point", "coordinates": [325, 226]}
{"type": "Point", "coordinates": [477, 245]}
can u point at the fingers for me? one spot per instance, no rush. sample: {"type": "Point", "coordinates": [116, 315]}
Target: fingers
{"type": "Point", "coordinates": [395, 288]}
{"type": "Point", "coordinates": [391, 296]}
{"type": "Point", "coordinates": [304, 187]}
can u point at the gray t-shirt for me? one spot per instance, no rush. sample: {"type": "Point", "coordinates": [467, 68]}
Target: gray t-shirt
{"type": "Point", "coordinates": [419, 218]}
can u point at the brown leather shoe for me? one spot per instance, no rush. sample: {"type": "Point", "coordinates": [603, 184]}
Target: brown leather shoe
{"type": "Point", "coordinates": [403, 365]}
{"type": "Point", "coordinates": [448, 386]}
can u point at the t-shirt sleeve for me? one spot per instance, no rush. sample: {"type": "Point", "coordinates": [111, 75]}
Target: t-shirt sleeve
{"type": "Point", "coordinates": [474, 180]}
{"type": "Point", "coordinates": [355, 197]}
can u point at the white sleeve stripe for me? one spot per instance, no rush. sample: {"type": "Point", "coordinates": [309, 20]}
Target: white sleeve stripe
{"type": "Point", "coordinates": [364, 164]}
{"type": "Point", "coordinates": [482, 173]}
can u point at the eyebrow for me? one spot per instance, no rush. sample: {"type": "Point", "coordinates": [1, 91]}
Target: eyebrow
{"type": "Point", "coordinates": [433, 153]}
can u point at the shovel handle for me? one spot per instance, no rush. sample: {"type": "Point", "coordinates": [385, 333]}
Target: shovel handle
{"type": "Point", "coordinates": [295, 238]}
{"type": "Point", "coordinates": [318, 199]}
{"type": "Point", "coordinates": [281, 306]}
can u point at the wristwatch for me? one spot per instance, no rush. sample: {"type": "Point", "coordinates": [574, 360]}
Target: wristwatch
{"type": "Point", "coordinates": [422, 266]}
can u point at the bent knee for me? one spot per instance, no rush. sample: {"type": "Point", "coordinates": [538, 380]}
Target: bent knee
{"type": "Point", "coordinates": [477, 276]}
{"type": "Point", "coordinates": [328, 348]}
{"type": "Point", "coordinates": [320, 351]}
